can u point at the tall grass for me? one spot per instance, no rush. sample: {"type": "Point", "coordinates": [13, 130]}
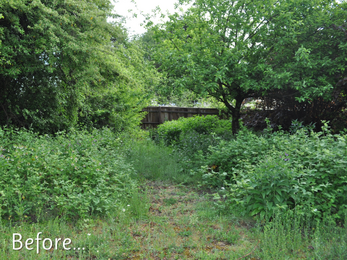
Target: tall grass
{"type": "Point", "coordinates": [291, 236]}
{"type": "Point", "coordinates": [156, 162]}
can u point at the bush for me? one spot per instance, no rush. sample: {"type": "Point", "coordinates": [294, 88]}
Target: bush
{"type": "Point", "coordinates": [191, 137]}
{"type": "Point", "coordinates": [282, 171]}
{"type": "Point", "coordinates": [243, 152]}
{"type": "Point", "coordinates": [71, 175]}
{"type": "Point", "coordinates": [192, 149]}
{"type": "Point", "coordinates": [171, 131]}
{"type": "Point", "coordinates": [270, 187]}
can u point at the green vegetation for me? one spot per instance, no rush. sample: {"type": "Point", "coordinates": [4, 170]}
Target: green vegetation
{"type": "Point", "coordinates": [304, 170]}
{"type": "Point", "coordinates": [75, 167]}
{"type": "Point", "coordinates": [63, 64]}
{"type": "Point", "coordinates": [232, 50]}
{"type": "Point", "coordinates": [69, 176]}
{"type": "Point", "coordinates": [143, 202]}
{"type": "Point", "coordinates": [171, 131]}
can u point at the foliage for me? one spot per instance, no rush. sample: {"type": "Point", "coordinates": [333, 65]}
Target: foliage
{"type": "Point", "coordinates": [271, 186]}
{"type": "Point", "coordinates": [191, 138]}
{"type": "Point", "coordinates": [281, 108]}
{"type": "Point", "coordinates": [119, 106]}
{"type": "Point", "coordinates": [153, 161]}
{"type": "Point", "coordinates": [301, 171]}
{"type": "Point", "coordinates": [306, 79]}
{"type": "Point", "coordinates": [333, 238]}
{"type": "Point", "coordinates": [232, 50]}
{"type": "Point", "coordinates": [72, 175]}
{"type": "Point", "coordinates": [290, 233]}
{"type": "Point", "coordinates": [186, 98]}
{"type": "Point", "coordinates": [308, 59]}
{"type": "Point", "coordinates": [62, 59]}
{"type": "Point", "coordinates": [193, 148]}
{"type": "Point", "coordinates": [296, 126]}
{"type": "Point", "coordinates": [170, 131]}
{"type": "Point", "coordinates": [146, 216]}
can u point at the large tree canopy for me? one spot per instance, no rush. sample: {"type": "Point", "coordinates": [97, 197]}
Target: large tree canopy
{"type": "Point", "coordinates": [60, 60]}
{"type": "Point", "coordinates": [307, 77]}
{"type": "Point", "coordinates": [232, 50]}
{"type": "Point", "coordinates": [309, 56]}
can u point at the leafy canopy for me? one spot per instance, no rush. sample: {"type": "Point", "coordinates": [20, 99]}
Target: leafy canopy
{"type": "Point", "coordinates": [225, 49]}
{"type": "Point", "coordinates": [57, 55]}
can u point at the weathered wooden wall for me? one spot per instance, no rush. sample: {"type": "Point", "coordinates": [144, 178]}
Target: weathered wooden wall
{"type": "Point", "coordinates": [158, 115]}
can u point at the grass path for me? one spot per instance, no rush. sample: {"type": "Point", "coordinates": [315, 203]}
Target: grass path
{"type": "Point", "coordinates": [170, 221]}
{"type": "Point", "coordinates": [167, 221]}
{"type": "Point", "coordinates": [182, 224]}
{"type": "Point", "coordinates": [163, 221]}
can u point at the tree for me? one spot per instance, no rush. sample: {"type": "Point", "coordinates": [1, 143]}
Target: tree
{"type": "Point", "coordinates": [148, 45]}
{"type": "Point", "coordinates": [226, 49]}
{"type": "Point", "coordinates": [56, 55]}
{"type": "Point", "coordinates": [310, 56]}
{"type": "Point", "coordinates": [310, 68]}
{"type": "Point", "coordinates": [119, 105]}
{"type": "Point", "coordinates": [2, 61]}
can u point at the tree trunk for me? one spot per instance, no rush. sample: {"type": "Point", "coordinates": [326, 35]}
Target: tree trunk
{"type": "Point", "coordinates": [236, 115]}
{"type": "Point", "coordinates": [234, 111]}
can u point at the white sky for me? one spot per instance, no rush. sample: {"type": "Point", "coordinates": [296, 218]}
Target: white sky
{"type": "Point", "coordinates": [133, 24]}
{"type": "Point", "coordinates": [146, 6]}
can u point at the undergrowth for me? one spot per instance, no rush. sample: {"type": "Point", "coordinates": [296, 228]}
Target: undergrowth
{"type": "Point", "coordinates": [72, 175]}
{"type": "Point", "coordinates": [302, 170]}
{"type": "Point", "coordinates": [128, 197]}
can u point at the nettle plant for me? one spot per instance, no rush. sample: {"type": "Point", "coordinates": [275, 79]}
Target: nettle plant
{"type": "Point", "coordinates": [289, 171]}
{"type": "Point", "coordinates": [269, 187]}
{"type": "Point", "coordinates": [71, 175]}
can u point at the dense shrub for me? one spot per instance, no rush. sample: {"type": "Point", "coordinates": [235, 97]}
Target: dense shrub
{"type": "Point", "coordinates": [71, 175]}
{"type": "Point", "coordinates": [302, 170]}
{"type": "Point", "coordinates": [191, 138]}
{"type": "Point", "coordinates": [244, 152]}
{"type": "Point", "coordinates": [171, 131]}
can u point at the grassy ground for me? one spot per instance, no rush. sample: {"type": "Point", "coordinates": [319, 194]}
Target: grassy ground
{"type": "Point", "coordinates": [175, 222]}
{"type": "Point", "coordinates": [182, 225]}
{"type": "Point", "coordinates": [171, 218]}
{"type": "Point", "coordinates": [168, 221]}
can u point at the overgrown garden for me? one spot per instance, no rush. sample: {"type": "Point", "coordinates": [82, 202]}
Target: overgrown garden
{"type": "Point", "coordinates": [75, 164]}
